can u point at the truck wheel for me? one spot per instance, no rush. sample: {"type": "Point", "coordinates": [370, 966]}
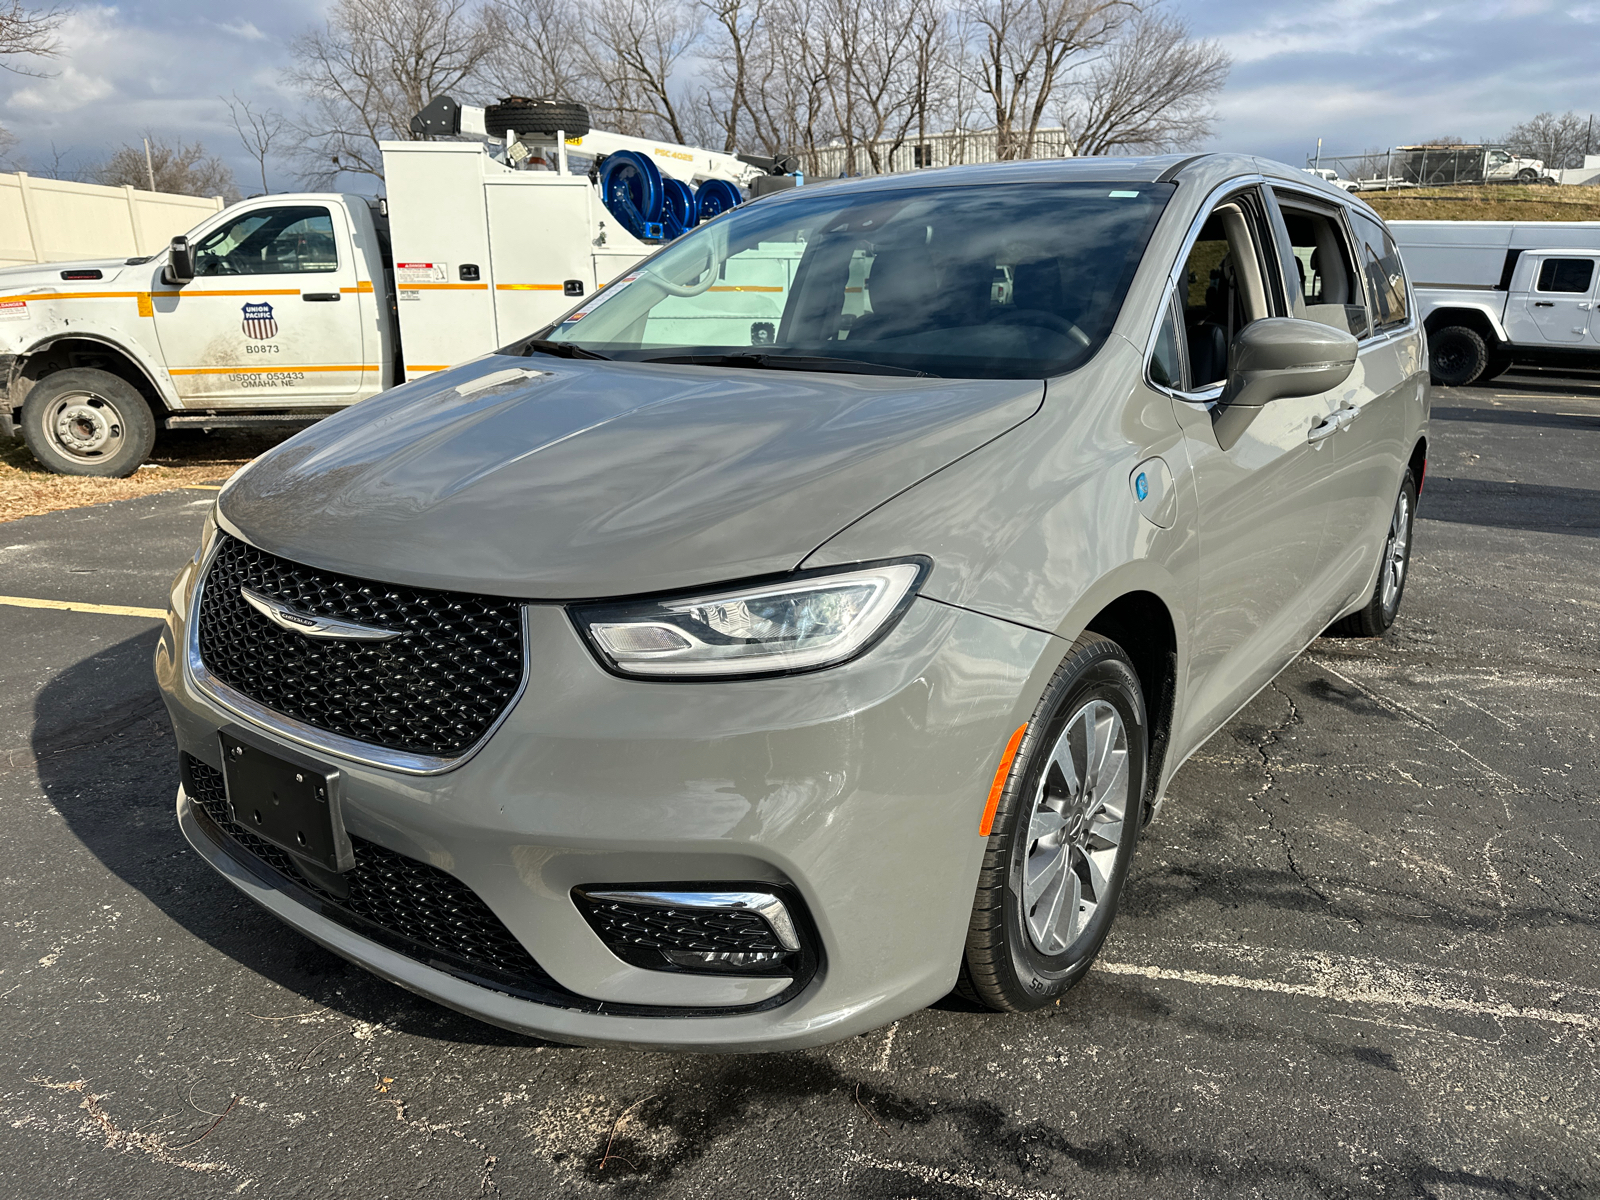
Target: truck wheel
{"type": "Point", "coordinates": [1499, 364]}
{"type": "Point", "coordinates": [1456, 355]}
{"type": "Point", "coordinates": [1527, 175]}
{"type": "Point", "coordinates": [536, 117]}
{"type": "Point", "coordinates": [1384, 604]}
{"type": "Point", "coordinates": [86, 422]}
{"type": "Point", "coordinates": [1062, 836]}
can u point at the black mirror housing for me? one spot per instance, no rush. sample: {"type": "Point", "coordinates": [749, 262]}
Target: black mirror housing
{"type": "Point", "coordinates": [1280, 357]}
{"type": "Point", "coordinates": [180, 261]}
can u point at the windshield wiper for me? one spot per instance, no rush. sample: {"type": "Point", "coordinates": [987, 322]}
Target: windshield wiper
{"type": "Point", "coordinates": [790, 362]}
{"type": "Point", "coordinates": [532, 345]}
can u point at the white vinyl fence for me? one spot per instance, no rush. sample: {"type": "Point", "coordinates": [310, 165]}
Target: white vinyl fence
{"type": "Point", "coordinates": [55, 220]}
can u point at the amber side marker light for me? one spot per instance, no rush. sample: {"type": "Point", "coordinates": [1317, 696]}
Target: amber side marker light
{"type": "Point", "coordinates": [1000, 781]}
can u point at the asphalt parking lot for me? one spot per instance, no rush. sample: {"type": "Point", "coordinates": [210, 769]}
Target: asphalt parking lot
{"type": "Point", "coordinates": [1358, 957]}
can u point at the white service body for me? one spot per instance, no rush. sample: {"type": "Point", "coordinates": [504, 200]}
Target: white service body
{"type": "Point", "coordinates": [323, 314]}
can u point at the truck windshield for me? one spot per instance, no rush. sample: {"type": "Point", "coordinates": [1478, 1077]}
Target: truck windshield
{"type": "Point", "coordinates": [1020, 281]}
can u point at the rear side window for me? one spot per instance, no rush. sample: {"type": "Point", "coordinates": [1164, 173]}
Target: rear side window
{"type": "Point", "coordinates": [1566, 274]}
{"type": "Point", "coordinates": [1385, 276]}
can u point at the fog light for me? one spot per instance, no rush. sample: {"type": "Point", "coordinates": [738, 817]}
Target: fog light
{"type": "Point", "coordinates": [723, 960]}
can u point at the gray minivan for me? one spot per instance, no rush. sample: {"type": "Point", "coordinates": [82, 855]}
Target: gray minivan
{"type": "Point", "coordinates": [806, 625]}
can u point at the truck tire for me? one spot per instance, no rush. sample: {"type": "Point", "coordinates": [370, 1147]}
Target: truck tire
{"type": "Point", "coordinates": [1456, 355]}
{"type": "Point", "coordinates": [536, 117]}
{"type": "Point", "coordinates": [1527, 175]}
{"type": "Point", "coordinates": [86, 422]}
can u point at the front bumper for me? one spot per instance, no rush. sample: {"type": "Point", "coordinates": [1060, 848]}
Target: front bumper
{"type": "Point", "coordinates": [859, 788]}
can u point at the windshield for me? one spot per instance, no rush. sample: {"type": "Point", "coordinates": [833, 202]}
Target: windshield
{"type": "Point", "coordinates": [1012, 281]}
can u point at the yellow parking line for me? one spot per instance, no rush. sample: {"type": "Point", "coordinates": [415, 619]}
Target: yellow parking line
{"type": "Point", "coordinates": [110, 610]}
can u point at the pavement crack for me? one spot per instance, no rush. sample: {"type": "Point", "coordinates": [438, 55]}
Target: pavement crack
{"type": "Point", "coordinates": [1262, 745]}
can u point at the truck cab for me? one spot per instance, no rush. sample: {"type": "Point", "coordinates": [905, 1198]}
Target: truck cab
{"type": "Point", "coordinates": [276, 308]}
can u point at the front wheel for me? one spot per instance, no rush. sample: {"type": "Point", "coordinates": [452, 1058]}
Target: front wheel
{"type": "Point", "coordinates": [86, 422]}
{"type": "Point", "coordinates": [1384, 604]}
{"type": "Point", "coordinates": [1062, 836]}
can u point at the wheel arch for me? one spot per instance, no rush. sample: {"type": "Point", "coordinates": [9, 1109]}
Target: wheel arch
{"type": "Point", "coordinates": [1480, 320]}
{"type": "Point", "coordinates": [1141, 623]}
{"type": "Point", "coordinates": [83, 350]}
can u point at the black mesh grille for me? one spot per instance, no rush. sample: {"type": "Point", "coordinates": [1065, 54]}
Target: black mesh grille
{"type": "Point", "coordinates": [652, 928]}
{"type": "Point", "coordinates": [436, 691]}
{"type": "Point", "coordinates": [426, 913]}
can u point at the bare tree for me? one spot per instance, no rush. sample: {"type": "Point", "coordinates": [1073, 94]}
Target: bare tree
{"type": "Point", "coordinates": [369, 70]}
{"type": "Point", "coordinates": [633, 49]}
{"type": "Point", "coordinates": [1560, 141]}
{"type": "Point", "coordinates": [187, 170]}
{"type": "Point", "coordinates": [258, 129]}
{"type": "Point", "coordinates": [738, 28]}
{"type": "Point", "coordinates": [1151, 92]}
{"type": "Point", "coordinates": [1024, 51]}
{"type": "Point", "coordinates": [535, 49]}
{"type": "Point", "coordinates": [25, 30]}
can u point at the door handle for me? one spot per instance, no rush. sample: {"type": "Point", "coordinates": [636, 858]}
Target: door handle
{"type": "Point", "coordinates": [1346, 417]}
{"type": "Point", "coordinates": [319, 295]}
{"type": "Point", "coordinates": [1325, 430]}
{"type": "Point", "coordinates": [1544, 303]}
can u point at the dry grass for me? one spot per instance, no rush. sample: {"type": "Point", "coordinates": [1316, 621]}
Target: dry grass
{"type": "Point", "coordinates": [180, 459]}
{"type": "Point", "coordinates": [1499, 202]}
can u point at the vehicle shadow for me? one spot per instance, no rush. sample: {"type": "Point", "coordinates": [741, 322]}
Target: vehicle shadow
{"type": "Point", "coordinates": [1535, 507]}
{"type": "Point", "coordinates": [107, 762]}
{"type": "Point", "coordinates": [1511, 416]}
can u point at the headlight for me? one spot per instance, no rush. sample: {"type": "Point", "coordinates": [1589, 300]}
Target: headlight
{"type": "Point", "coordinates": [801, 624]}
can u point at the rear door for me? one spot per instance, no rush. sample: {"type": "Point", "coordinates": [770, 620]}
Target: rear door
{"type": "Point", "coordinates": [1561, 296]}
{"type": "Point", "coordinates": [272, 318]}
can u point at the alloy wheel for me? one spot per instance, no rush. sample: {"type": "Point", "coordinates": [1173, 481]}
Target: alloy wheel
{"type": "Point", "coordinates": [1077, 823]}
{"type": "Point", "coordinates": [1396, 554]}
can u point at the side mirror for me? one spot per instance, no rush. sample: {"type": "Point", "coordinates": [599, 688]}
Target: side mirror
{"type": "Point", "coordinates": [180, 261]}
{"type": "Point", "coordinates": [1278, 358]}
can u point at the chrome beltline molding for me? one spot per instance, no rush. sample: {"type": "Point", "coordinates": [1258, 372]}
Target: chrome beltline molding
{"type": "Point", "coordinates": [259, 715]}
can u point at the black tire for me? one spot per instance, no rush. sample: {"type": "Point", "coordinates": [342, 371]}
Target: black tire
{"type": "Point", "coordinates": [1384, 605]}
{"type": "Point", "coordinates": [86, 422]}
{"type": "Point", "coordinates": [536, 117]}
{"type": "Point", "coordinates": [1527, 175]}
{"type": "Point", "coordinates": [1499, 364]}
{"type": "Point", "coordinates": [1456, 355]}
{"type": "Point", "coordinates": [1004, 968]}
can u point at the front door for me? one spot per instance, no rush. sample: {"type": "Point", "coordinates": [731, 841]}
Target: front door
{"type": "Point", "coordinates": [1560, 300]}
{"type": "Point", "coordinates": [272, 317]}
{"type": "Point", "coordinates": [1259, 493]}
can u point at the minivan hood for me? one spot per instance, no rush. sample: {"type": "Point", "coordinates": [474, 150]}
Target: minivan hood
{"type": "Point", "coordinates": [596, 479]}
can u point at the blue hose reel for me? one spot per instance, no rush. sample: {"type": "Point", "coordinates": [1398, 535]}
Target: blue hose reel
{"type": "Point", "coordinates": [656, 208]}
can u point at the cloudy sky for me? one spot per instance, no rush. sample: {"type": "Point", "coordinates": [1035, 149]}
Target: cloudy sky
{"type": "Point", "coordinates": [1357, 73]}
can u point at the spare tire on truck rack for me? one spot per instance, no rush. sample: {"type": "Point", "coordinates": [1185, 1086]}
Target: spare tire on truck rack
{"type": "Point", "coordinates": [526, 117]}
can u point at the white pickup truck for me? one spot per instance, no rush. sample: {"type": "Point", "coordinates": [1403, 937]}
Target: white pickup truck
{"type": "Point", "coordinates": [284, 308]}
{"type": "Point", "coordinates": [1497, 293]}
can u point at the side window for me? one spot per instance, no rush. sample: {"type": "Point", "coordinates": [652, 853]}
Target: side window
{"type": "Point", "coordinates": [1324, 269]}
{"type": "Point", "coordinates": [1166, 356]}
{"type": "Point", "coordinates": [291, 240]}
{"type": "Point", "coordinates": [1566, 275]}
{"type": "Point", "coordinates": [1225, 288]}
{"type": "Point", "coordinates": [1385, 276]}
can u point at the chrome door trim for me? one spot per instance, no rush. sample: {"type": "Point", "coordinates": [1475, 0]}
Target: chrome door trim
{"type": "Point", "coordinates": [310, 737]}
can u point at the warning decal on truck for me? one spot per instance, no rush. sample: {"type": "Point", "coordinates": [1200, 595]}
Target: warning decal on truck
{"type": "Point", "coordinates": [13, 310]}
{"type": "Point", "coordinates": [414, 272]}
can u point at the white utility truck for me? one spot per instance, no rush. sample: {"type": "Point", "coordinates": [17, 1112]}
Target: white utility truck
{"type": "Point", "coordinates": [1496, 293]}
{"type": "Point", "coordinates": [281, 309]}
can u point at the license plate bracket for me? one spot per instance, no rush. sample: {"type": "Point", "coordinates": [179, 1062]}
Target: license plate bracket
{"type": "Point", "coordinates": [287, 799]}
